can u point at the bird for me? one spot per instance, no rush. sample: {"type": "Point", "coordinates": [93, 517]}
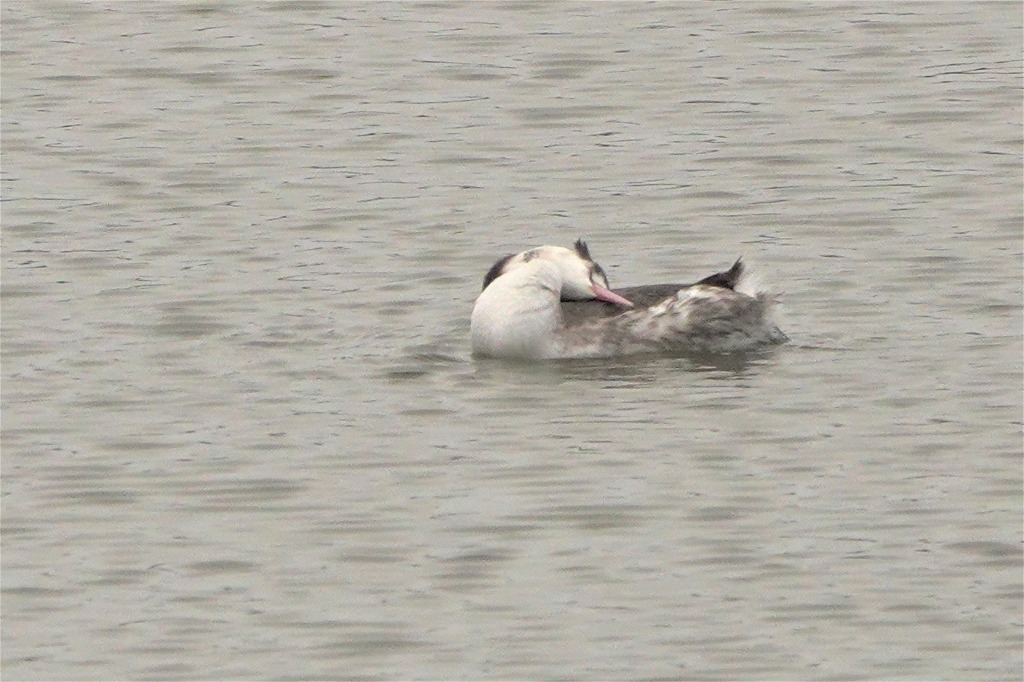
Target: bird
{"type": "Point", "coordinates": [552, 302]}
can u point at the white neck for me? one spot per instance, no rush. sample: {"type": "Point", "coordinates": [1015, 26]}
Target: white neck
{"type": "Point", "coordinates": [518, 315]}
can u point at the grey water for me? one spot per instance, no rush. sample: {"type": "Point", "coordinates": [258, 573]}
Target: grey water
{"type": "Point", "coordinates": [243, 434]}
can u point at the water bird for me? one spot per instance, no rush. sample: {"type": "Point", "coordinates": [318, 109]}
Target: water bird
{"type": "Point", "coordinates": [552, 302]}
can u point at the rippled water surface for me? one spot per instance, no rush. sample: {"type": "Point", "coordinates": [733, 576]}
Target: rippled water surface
{"type": "Point", "coordinates": [243, 436]}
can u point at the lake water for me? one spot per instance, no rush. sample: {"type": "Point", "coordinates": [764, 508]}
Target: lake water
{"type": "Point", "coordinates": [243, 436]}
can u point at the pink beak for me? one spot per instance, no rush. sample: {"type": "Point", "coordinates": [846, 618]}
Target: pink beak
{"type": "Point", "coordinates": [602, 294]}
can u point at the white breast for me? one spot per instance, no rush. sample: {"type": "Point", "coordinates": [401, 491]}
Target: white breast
{"type": "Point", "coordinates": [517, 316]}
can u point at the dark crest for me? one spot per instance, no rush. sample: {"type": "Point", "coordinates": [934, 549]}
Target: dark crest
{"type": "Point", "coordinates": [582, 250]}
{"type": "Point", "coordinates": [497, 269]}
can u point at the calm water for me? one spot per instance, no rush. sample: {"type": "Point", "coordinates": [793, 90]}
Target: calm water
{"type": "Point", "coordinates": [242, 433]}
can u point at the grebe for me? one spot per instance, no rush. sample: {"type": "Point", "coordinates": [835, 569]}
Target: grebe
{"type": "Point", "coordinates": [551, 302]}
